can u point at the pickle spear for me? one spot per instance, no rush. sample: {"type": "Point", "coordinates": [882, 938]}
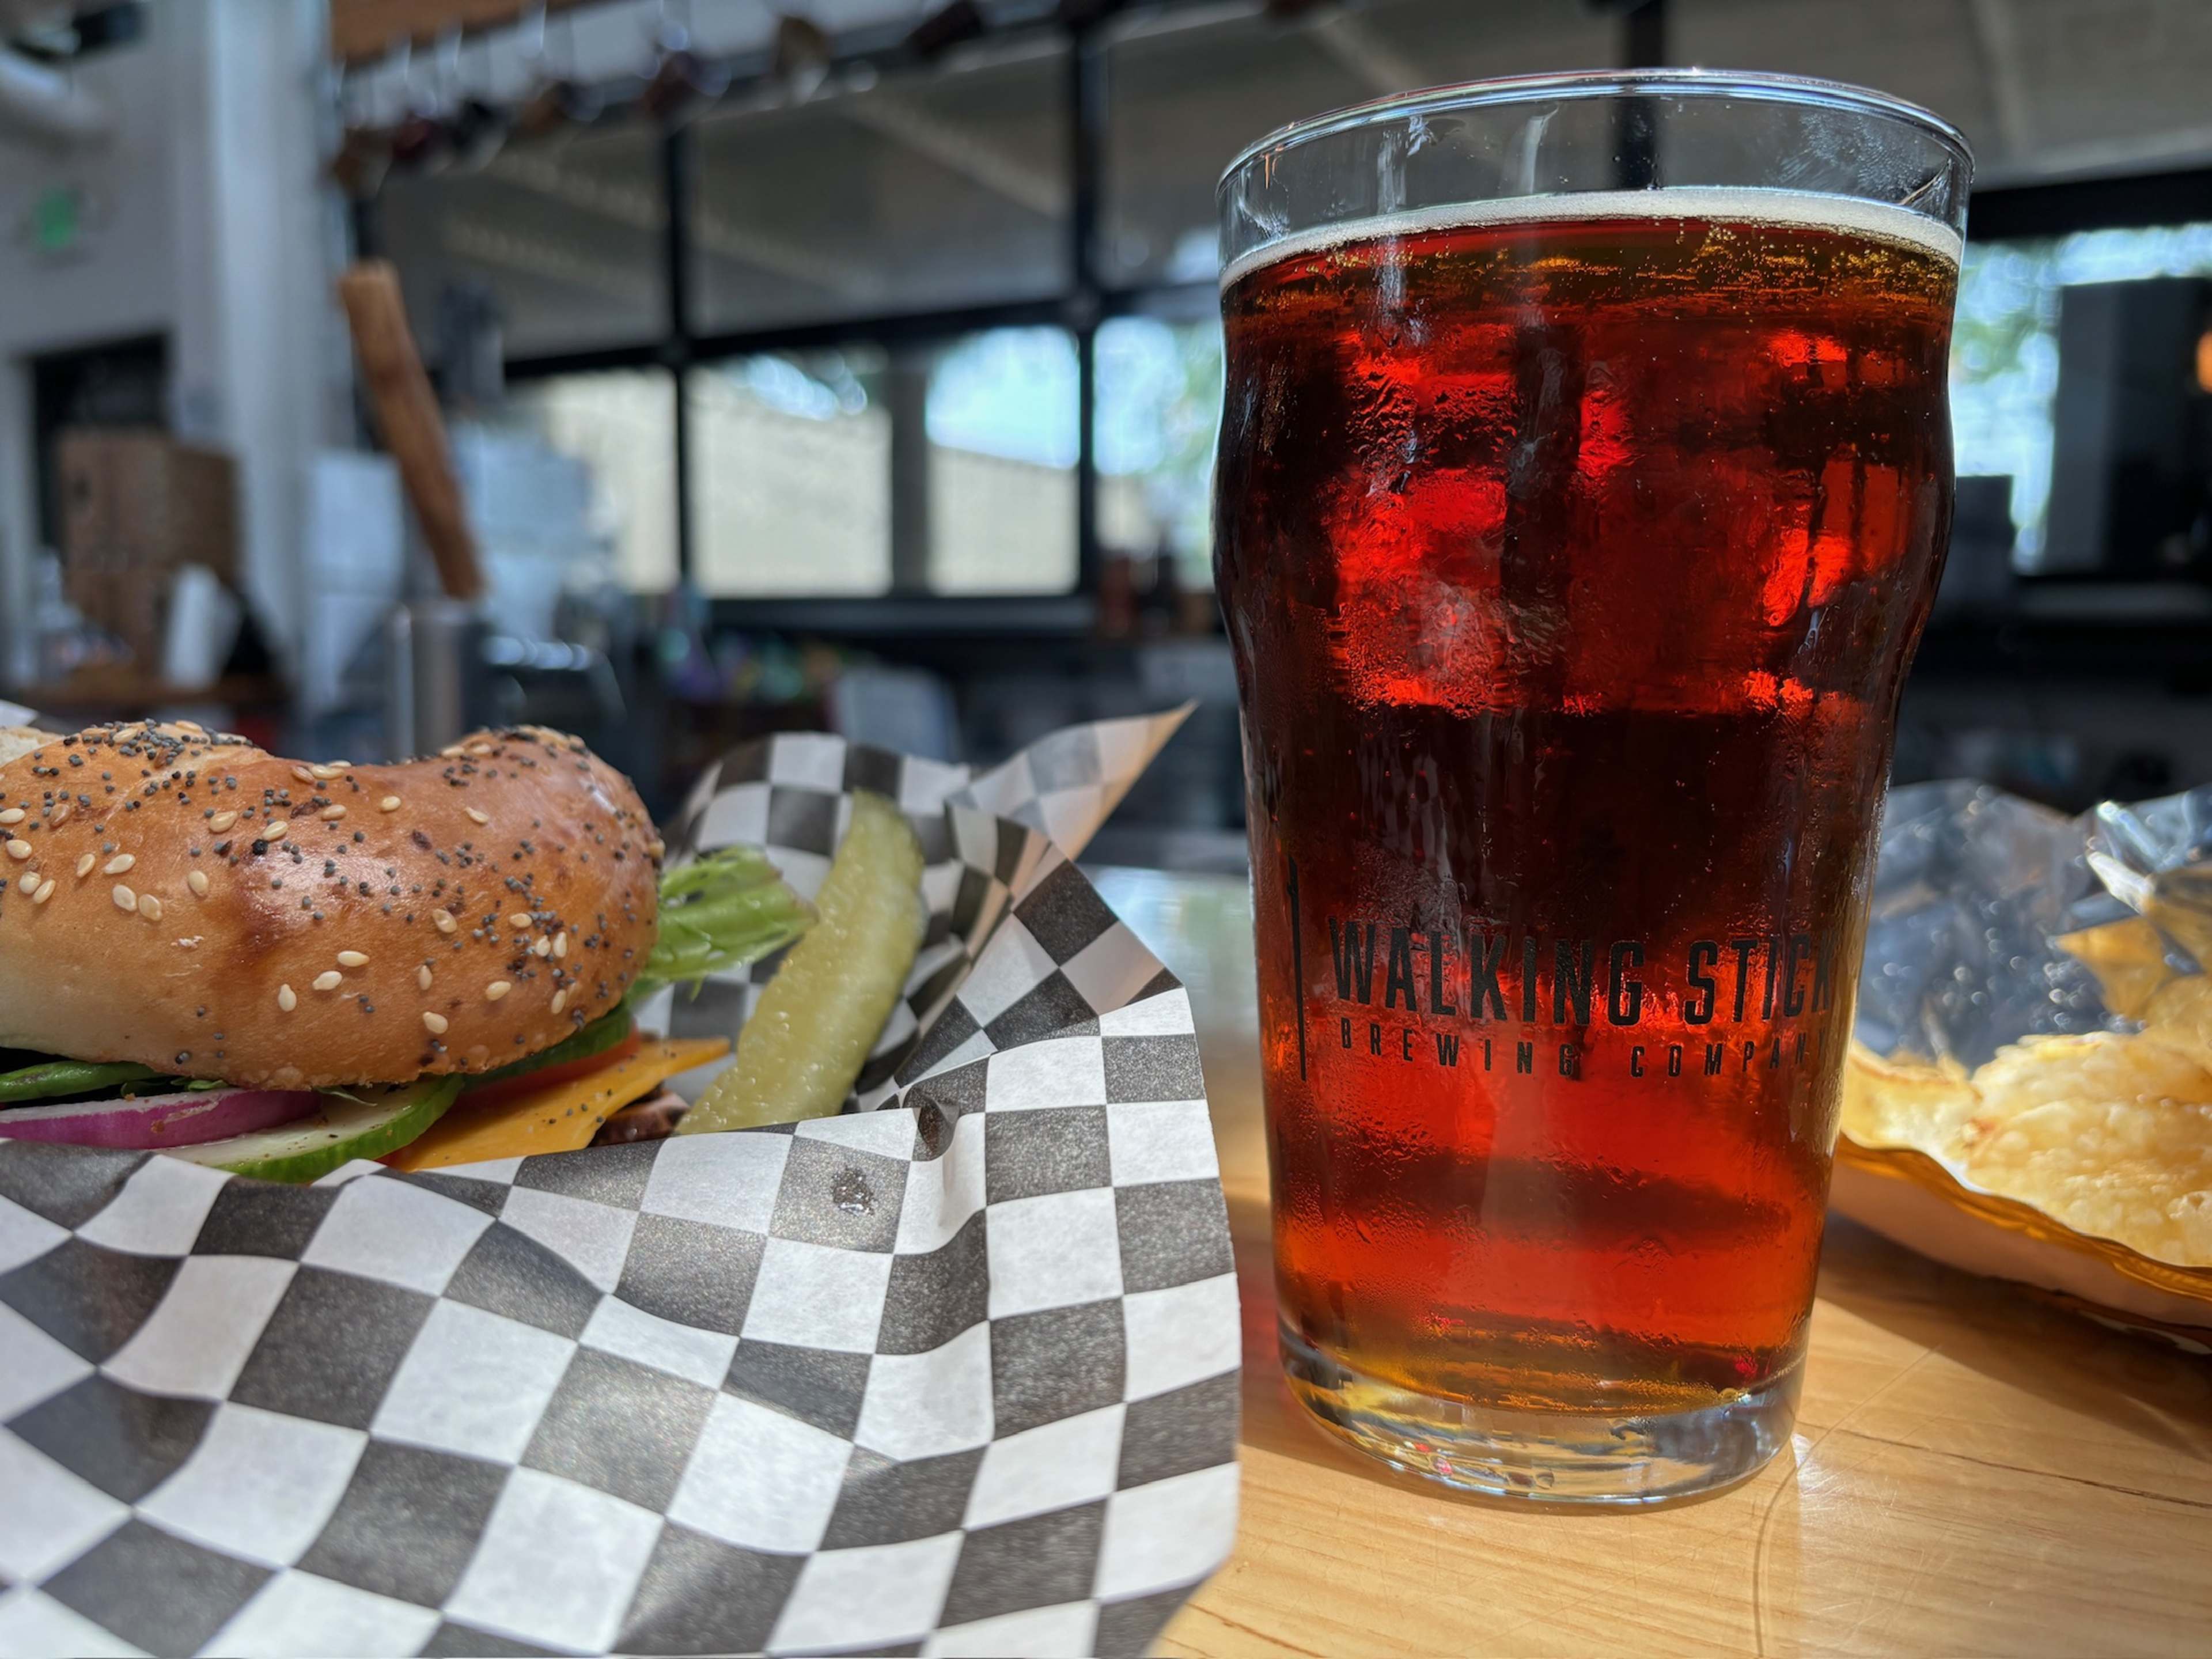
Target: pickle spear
{"type": "Point", "coordinates": [817, 1019]}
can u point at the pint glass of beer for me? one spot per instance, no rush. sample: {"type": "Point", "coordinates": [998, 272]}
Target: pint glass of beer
{"type": "Point", "coordinates": [1583, 481]}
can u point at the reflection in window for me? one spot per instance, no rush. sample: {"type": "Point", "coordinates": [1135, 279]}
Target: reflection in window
{"type": "Point", "coordinates": [2049, 89]}
{"type": "Point", "coordinates": [621, 426]}
{"type": "Point", "coordinates": [790, 475]}
{"type": "Point", "coordinates": [2004, 358]}
{"type": "Point", "coordinates": [1159, 407]}
{"type": "Point", "coordinates": [1002, 413]}
{"type": "Point", "coordinates": [564, 234]}
{"type": "Point", "coordinates": [947, 469]}
{"type": "Point", "coordinates": [1192, 86]}
{"type": "Point", "coordinates": [922, 191]}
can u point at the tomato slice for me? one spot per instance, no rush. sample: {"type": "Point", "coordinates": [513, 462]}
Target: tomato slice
{"type": "Point", "coordinates": [514, 1088]}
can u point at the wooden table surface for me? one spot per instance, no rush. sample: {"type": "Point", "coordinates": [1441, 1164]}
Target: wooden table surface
{"type": "Point", "coordinates": [1973, 1472]}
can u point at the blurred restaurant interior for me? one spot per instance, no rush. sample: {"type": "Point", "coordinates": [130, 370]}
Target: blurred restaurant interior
{"type": "Point", "coordinates": [856, 363]}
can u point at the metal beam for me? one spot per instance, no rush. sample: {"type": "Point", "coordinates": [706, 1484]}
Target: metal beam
{"type": "Point", "coordinates": [1181, 302]}
{"type": "Point", "coordinates": [1997, 34]}
{"type": "Point", "coordinates": [905, 399]}
{"type": "Point", "coordinates": [1643, 46]}
{"type": "Point", "coordinates": [1644, 34]}
{"type": "Point", "coordinates": [676, 161]}
{"type": "Point", "coordinates": [897, 329]}
{"type": "Point", "coordinates": [1088, 105]}
{"type": "Point", "coordinates": [2131, 200]}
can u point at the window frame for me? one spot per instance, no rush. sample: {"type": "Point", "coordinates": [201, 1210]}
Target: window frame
{"type": "Point", "coordinates": [1998, 214]}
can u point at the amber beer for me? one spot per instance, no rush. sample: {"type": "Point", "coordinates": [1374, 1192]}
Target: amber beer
{"type": "Point", "coordinates": [1571, 553]}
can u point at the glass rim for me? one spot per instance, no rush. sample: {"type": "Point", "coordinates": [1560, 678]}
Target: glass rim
{"type": "Point", "coordinates": [1802, 89]}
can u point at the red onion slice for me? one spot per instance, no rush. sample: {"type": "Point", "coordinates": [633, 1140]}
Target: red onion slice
{"type": "Point", "coordinates": [153, 1122]}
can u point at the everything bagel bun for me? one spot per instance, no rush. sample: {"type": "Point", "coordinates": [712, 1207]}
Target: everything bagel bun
{"type": "Point", "coordinates": [192, 904]}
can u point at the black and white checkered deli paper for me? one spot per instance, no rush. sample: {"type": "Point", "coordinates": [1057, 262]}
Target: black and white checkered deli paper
{"type": "Point", "coordinates": [953, 1376]}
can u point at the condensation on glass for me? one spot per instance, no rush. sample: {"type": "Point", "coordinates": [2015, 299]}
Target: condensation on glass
{"type": "Point", "coordinates": [1584, 477]}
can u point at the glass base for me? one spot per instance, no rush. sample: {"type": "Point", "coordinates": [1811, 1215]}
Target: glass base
{"type": "Point", "coordinates": [1547, 1457]}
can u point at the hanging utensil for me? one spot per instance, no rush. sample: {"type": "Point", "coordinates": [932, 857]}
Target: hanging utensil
{"type": "Point", "coordinates": [803, 55]}
{"type": "Point", "coordinates": [419, 143]}
{"type": "Point", "coordinates": [477, 127]}
{"type": "Point", "coordinates": [681, 79]}
{"type": "Point", "coordinates": [557, 98]}
{"type": "Point", "coordinates": [363, 156]}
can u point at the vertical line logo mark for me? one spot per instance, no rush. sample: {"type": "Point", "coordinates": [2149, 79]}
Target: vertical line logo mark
{"type": "Point", "coordinates": [1297, 962]}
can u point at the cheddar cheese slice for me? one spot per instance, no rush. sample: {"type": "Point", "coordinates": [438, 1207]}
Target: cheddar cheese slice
{"type": "Point", "coordinates": [558, 1118]}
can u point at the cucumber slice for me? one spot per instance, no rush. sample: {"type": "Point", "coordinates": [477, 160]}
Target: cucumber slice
{"type": "Point", "coordinates": [605, 1032]}
{"type": "Point", "coordinates": [376, 1123]}
{"type": "Point", "coordinates": [54, 1077]}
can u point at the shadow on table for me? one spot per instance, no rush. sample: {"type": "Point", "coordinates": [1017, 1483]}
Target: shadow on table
{"type": "Point", "coordinates": [2006, 1333]}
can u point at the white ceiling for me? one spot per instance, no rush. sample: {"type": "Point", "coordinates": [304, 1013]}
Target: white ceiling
{"type": "Point", "coordinates": [2043, 88]}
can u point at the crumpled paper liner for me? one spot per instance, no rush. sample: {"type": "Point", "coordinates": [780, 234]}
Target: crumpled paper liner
{"type": "Point", "coordinates": [789, 795]}
{"type": "Point", "coordinates": [1973, 889]}
{"type": "Point", "coordinates": [954, 1375]}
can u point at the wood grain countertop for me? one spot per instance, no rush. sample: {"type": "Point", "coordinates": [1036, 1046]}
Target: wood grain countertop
{"type": "Point", "coordinates": [1973, 1471]}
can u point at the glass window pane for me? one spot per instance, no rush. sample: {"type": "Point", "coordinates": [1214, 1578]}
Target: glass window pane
{"type": "Point", "coordinates": [1002, 413]}
{"type": "Point", "coordinates": [791, 474]}
{"type": "Point", "coordinates": [925, 191]}
{"type": "Point", "coordinates": [564, 234]}
{"type": "Point", "coordinates": [621, 426]}
{"type": "Point", "coordinates": [1188, 96]}
{"type": "Point", "coordinates": [1159, 409]}
{"type": "Point", "coordinates": [2004, 355]}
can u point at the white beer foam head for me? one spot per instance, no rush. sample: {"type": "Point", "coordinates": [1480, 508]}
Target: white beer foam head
{"type": "Point", "coordinates": [1850, 214]}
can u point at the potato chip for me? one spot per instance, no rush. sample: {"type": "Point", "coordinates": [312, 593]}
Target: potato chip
{"type": "Point", "coordinates": [2180, 1018]}
{"type": "Point", "coordinates": [2127, 956]}
{"type": "Point", "coordinates": [2110, 1134]}
{"type": "Point", "coordinates": [2181, 903]}
{"type": "Point", "coordinates": [2096, 1066]}
{"type": "Point", "coordinates": [1900, 1102]}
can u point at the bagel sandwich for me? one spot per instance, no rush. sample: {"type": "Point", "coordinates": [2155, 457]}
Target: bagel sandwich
{"type": "Point", "coordinates": [275, 966]}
